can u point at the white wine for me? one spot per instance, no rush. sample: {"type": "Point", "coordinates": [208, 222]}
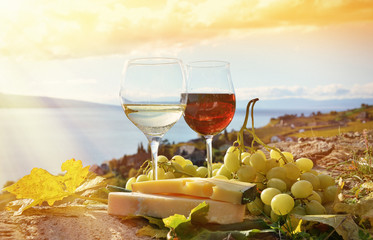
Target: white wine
{"type": "Point", "coordinates": [154, 119]}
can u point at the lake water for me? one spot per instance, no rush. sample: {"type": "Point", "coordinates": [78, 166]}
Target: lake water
{"type": "Point", "coordinates": [46, 137]}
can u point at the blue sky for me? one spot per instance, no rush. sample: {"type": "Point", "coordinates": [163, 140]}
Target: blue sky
{"type": "Point", "coordinates": [277, 49]}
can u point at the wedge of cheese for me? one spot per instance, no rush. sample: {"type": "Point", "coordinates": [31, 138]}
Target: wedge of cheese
{"type": "Point", "coordinates": [161, 206]}
{"type": "Point", "coordinates": [215, 189]}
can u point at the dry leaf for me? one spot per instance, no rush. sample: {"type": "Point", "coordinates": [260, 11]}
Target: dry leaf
{"type": "Point", "coordinates": [343, 224]}
{"type": "Point", "coordinates": [41, 186]}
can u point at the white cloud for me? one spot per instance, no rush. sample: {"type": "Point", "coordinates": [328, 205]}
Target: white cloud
{"type": "Point", "coordinates": [71, 29]}
{"type": "Point", "coordinates": [321, 92]}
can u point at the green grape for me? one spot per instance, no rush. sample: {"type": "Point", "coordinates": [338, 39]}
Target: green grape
{"type": "Point", "coordinates": [259, 181]}
{"type": "Point", "coordinates": [325, 181]}
{"type": "Point", "coordinates": [330, 193]}
{"type": "Point", "coordinates": [160, 173]}
{"type": "Point", "coordinates": [277, 183]}
{"type": "Point", "coordinates": [289, 157]}
{"type": "Point", "coordinates": [202, 172]}
{"type": "Point", "coordinates": [299, 210]}
{"type": "Point", "coordinates": [243, 156]}
{"type": "Point", "coordinates": [142, 178]}
{"type": "Point", "coordinates": [177, 169]}
{"type": "Point", "coordinates": [169, 175]}
{"type": "Point", "coordinates": [258, 161]}
{"type": "Point", "coordinates": [315, 196]}
{"type": "Point", "coordinates": [129, 183]}
{"type": "Point", "coordinates": [246, 173]}
{"type": "Point", "coordinates": [188, 162]}
{"type": "Point", "coordinates": [162, 159]}
{"type": "Point", "coordinates": [292, 171]}
{"type": "Point", "coordinates": [267, 195]}
{"type": "Point", "coordinates": [216, 165]}
{"type": "Point", "coordinates": [255, 207]}
{"type": "Point", "coordinates": [313, 207]}
{"type": "Point", "coordinates": [262, 153]}
{"type": "Point", "coordinates": [223, 170]}
{"type": "Point", "coordinates": [267, 209]}
{"type": "Point", "coordinates": [275, 154]}
{"type": "Point", "coordinates": [321, 194]}
{"type": "Point", "coordinates": [314, 172]}
{"type": "Point", "coordinates": [301, 189]}
{"type": "Point", "coordinates": [276, 172]}
{"type": "Point", "coordinates": [215, 171]}
{"type": "Point", "coordinates": [232, 160]}
{"type": "Point", "coordinates": [304, 164]}
{"type": "Point", "coordinates": [190, 170]}
{"type": "Point", "coordinates": [312, 179]}
{"type": "Point", "coordinates": [289, 182]}
{"type": "Point", "coordinates": [220, 177]}
{"type": "Point", "coordinates": [271, 163]}
{"type": "Point", "coordinates": [282, 204]}
{"type": "Point", "coordinates": [246, 160]}
{"type": "Point", "coordinates": [179, 159]}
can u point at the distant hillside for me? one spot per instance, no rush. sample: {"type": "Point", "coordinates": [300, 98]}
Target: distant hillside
{"type": "Point", "coordinates": [18, 101]}
{"type": "Point", "coordinates": [309, 104]}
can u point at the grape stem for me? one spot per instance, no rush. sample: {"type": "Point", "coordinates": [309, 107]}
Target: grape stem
{"type": "Point", "coordinates": [144, 168]}
{"type": "Point", "coordinates": [240, 138]}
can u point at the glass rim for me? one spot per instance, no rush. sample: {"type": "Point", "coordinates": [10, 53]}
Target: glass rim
{"type": "Point", "coordinates": [149, 61]}
{"type": "Point", "coordinates": [208, 63]}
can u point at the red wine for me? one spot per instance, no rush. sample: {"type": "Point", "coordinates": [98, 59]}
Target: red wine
{"type": "Point", "coordinates": [209, 113]}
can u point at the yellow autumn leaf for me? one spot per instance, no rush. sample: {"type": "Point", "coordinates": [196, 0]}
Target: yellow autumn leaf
{"type": "Point", "coordinates": [75, 174]}
{"type": "Point", "coordinates": [40, 186]}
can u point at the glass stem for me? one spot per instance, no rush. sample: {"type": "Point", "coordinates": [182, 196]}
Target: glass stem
{"type": "Point", "coordinates": [154, 144]}
{"type": "Point", "coordinates": [209, 154]}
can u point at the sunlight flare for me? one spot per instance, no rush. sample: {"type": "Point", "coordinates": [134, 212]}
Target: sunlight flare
{"type": "Point", "coordinates": [45, 29]}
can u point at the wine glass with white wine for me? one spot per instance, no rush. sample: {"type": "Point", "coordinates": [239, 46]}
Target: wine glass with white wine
{"type": "Point", "coordinates": [153, 97]}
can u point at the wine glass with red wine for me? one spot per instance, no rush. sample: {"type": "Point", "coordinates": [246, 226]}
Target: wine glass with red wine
{"type": "Point", "coordinates": [211, 100]}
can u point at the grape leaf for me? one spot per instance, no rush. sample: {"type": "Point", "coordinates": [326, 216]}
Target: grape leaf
{"type": "Point", "coordinates": [75, 174]}
{"type": "Point", "coordinates": [41, 186]}
{"type": "Point", "coordinates": [150, 231]}
{"type": "Point", "coordinates": [343, 224]}
{"type": "Point", "coordinates": [195, 227]}
{"type": "Point", "coordinates": [175, 220]}
{"type": "Point", "coordinates": [183, 227]}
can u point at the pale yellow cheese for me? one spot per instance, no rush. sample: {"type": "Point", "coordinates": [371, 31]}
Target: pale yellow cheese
{"type": "Point", "coordinates": [161, 206]}
{"type": "Point", "coordinates": [216, 189]}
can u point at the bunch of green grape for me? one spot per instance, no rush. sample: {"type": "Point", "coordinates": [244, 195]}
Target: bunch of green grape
{"type": "Point", "coordinates": [176, 167]}
{"type": "Point", "coordinates": [284, 187]}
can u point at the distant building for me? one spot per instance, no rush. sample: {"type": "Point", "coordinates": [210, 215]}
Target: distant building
{"type": "Point", "coordinates": [185, 150]}
{"type": "Point", "coordinates": [363, 117]}
{"type": "Point", "coordinates": [276, 138]}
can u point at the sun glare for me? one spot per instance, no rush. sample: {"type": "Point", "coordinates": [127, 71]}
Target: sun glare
{"type": "Point", "coordinates": [65, 29]}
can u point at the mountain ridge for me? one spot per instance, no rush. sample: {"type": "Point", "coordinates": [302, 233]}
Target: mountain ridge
{"type": "Point", "coordinates": [23, 101]}
{"type": "Point", "coordinates": [308, 104]}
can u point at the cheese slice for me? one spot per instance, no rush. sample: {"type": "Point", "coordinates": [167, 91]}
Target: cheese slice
{"type": "Point", "coordinates": [162, 206]}
{"type": "Point", "coordinates": [215, 189]}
